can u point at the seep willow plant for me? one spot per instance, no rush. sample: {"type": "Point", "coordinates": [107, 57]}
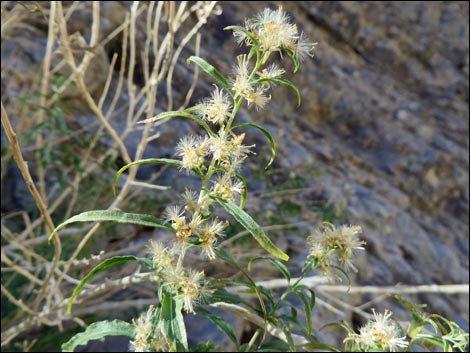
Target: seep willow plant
{"type": "Point", "coordinates": [217, 158]}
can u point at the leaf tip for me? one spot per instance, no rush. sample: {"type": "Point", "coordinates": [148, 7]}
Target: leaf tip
{"type": "Point", "coordinates": [51, 236]}
{"type": "Point", "coordinates": [284, 257]}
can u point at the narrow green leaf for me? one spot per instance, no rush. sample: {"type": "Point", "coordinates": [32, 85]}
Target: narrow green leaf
{"type": "Point", "coordinates": [274, 346]}
{"type": "Point", "coordinates": [173, 162]}
{"type": "Point", "coordinates": [206, 347]}
{"type": "Point", "coordinates": [115, 216]}
{"type": "Point", "coordinates": [284, 82]}
{"type": "Point", "coordinates": [172, 322]}
{"type": "Point", "coordinates": [211, 71]}
{"type": "Point", "coordinates": [244, 192]}
{"type": "Point", "coordinates": [317, 346]}
{"type": "Point", "coordinates": [250, 225]}
{"type": "Point", "coordinates": [223, 325]}
{"type": "Point", "coordinates": [227, 258]}
{"type": "Point", "coordinates": [221, 295]}
{"type": "Point", "coordinates": [294, 57]}
{"type": "Point", "coordinates": [303, 287]}
{"type": "Point", "coordinates": [184, 114]}
{"type": "Point", "coordinates": [116, 260]}
{"type": "Point", "coordinates": [287, 331]}
{"type": "Point", "coordinates": [265, 133]}
{"type": "Point", "coordinates": [307, 310]}
{"type": "Point", "coordinates": [296, 63]}
{"type": "Point", "coordinates": [254, 49]}
{"type": "Point", "coordinates": [244, 30]}
{"type": "Point", "coordinates": [280, 266]}
{"type": "Point", "coordinates": [268, 294]}
{"type": "Point", "coordinates": [99, 330]}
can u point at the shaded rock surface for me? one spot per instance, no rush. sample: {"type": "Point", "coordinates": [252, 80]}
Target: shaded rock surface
{"type": "Point", "coordinates": [382, 132]}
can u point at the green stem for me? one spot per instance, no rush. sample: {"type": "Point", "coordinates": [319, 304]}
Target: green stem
{"type": "Point", "coordinates": [239, 100]}
{"type": "Point", "coordinates": [289, 290]}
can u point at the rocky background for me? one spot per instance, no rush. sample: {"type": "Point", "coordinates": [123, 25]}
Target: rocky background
{"type": "Point", "coordinates": [380, 140]}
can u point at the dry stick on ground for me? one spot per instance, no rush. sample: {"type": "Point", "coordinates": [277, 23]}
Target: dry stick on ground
{"type": "Point", "coordinates": [141, 146]}
{"type": "Point", "coordinates": [37, 197]}
{"type": "Point", "coordinates": [181, 17]}
{"type": "Point", "coordinates": [62, 197]}
{"type": "Point", "coordinates": [42, 100]}
{"type": "Point", "coordinates": [318, 283]}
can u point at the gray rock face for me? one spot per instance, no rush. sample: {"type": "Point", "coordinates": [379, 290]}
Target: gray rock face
{"type": "Point", "coordinates": [384, 118]}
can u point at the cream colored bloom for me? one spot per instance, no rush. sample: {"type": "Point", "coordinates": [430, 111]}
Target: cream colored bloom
{"type": "Point", "coordinates": [380, 333]}
{"type": "Point", "coordinates": [303, 47]}
{"type": "Point", "coordinates": [272, 71]}
{"type": "Point", "coordinates": [333, 246]}
{"type": "Point", "coordinates": [246, 88]}
{"type": "Point", "coordinates": [178, 221]}
{"type": "Point", "coordinates": [191, 287]}
{"type": "Point", "coordinates": [216, 109]}
{"type": "Point", "coordinates": [242, 85]}
{"type": "Point", "coordinates": [208, 236]}
{"type": "Point", "coordinates": [143, 329]}
{"type": "Point", "coordinates": [162, 257]}
{"type": "Point", "coordinates": [219, 147]}
{"type": "Point", "coordinates": [190, 199]}
{"type": "Point", "coordinates": [275, 31]}
{"type": "Point", "coordinates": [192, 150]}
{"type": "Point", "coordinates": [227, 187]}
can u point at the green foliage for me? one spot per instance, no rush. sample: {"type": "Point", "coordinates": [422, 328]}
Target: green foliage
{"type": "Point", "coordinates": [250, 225]}
{"type": "Point", "coordinates": [99, 330]}
{"type": "Point", "coordinates": [216, 159]}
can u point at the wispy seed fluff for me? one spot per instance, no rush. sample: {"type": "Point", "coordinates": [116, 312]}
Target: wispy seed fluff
{"type": "Point", "coordinates": [216, 109]}
{"type": "Point", "coordinates": [380, 333]}
{"type": "Point", "coordinates": [333, 246]}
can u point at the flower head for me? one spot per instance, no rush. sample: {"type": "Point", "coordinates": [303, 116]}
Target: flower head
{"type": "Point", "coordinates": [272, 71]}
{"type": "Point", "coordinates": [217, 108]}
{"type": "Point", "coordinates": [191, 288]}
{"type": "Point", "coordinates": [192, 150]}
{"type": "Point", "coordinates": [227, 187]}
{"type": "Point", "coordinates": [333, 246]}
{"type": "Point", "coordinates": [208, 237]}
{"type": "Point", "coordinates": [380, 333]}
{"type": "Point", "coordinates": [177, 219]}
{"type": "Point", "coordinates": [143, 327]}
{"type": "Point", "coordinates": [273, 30]}
{"type": "Point", "coordinates": [162, 257]}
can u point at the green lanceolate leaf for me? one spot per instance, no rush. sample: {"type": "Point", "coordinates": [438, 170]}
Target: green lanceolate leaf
{"type": "Point", "coordinates": [265, 133]}
{"type": "Point", "coordinates": [115, 216]}
{"type": "Point", "coordinates": [295, 59]}
{"type": "Point", "coordinates": [211, 71]}
{"type": "Point", "coordinates": [251, 283]}
{"type": "Point", "coordinates": [244, 30]}
{"type": "Point", "coordinates": [273, 346]}
{"type": "Point", "coordinates": [307, 309]}
{"type": "Point", "coordinates": [223, 325]}
{"type": "Point", "coordinates": [284, 82]}
{"type": "Point", "coordinates": [317, 346]}
{"type": "Point", "coordinates": [250, 225]}
{"type": "Point", "coordinates": [221, 295]}
{"type": "Point", "coordinates": [99, 330]}
{"type": "Point", "coordinates": [116, 260]}
{"type": "Point", "coordinates": [173, 162]}
{"type": "Point", "coordinates": [172, 323]}
{"type": "Point", "coordinates": [280, 266]}
{"type": "Point", "coordinates": [184, 114]}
